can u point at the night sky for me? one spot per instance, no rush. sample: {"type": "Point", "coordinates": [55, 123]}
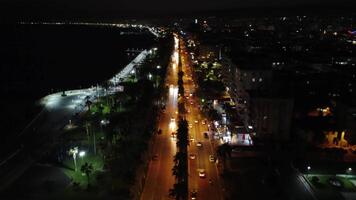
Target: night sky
{"type": "Point", "coordinates": [48, 8]}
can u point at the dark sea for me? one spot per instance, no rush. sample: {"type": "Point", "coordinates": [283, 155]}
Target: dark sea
{"type": "Point", "coordinates": [36, 60]}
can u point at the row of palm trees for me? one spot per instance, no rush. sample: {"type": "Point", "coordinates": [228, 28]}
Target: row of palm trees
{"type": "Point", "coordinates": [180, 168]}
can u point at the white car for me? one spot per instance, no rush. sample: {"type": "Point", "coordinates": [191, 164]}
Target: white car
{"type": "Point", "coordinates": [199, 144]}
{"type": "Point", "coordinates": [192, 156]}
{"type": "Point", "coordinates": [196, 121]}
{"type": "Point", "coordinates": [211, 158]}
{"type": "Point", "coordinates": [202, 173]}
{"type": "Point", "coordinates": [192, 139]}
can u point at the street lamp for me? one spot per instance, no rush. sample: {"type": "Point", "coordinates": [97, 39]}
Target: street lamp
{"type": "Point", "coordinates": [82, 154]}
{"type": "Point", "coordinates": [308, 168]}
{"type": "Point", "coordinates": [349, 171]}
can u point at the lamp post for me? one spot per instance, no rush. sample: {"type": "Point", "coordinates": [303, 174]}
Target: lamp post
{"type": "Point", "coordinates": [74, 151]}
{"type": "Point", "coordinates": [82, 154]}
{"type": "Point", "coordinates": [349, 171]}
{"type": "Point", "coordinates": [308, 168]}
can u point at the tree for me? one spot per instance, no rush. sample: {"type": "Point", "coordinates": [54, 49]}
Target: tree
{"type": "Point", "coordinates": [182, 135]}
{"type": "Point", "coordinates": [87, 168]}
{"type": "Point", "coordinates": [88, 102]}
{"type": "Point", "coordinates": [178, 191]}
{"type": "Point", "coordinates": [180, 168]}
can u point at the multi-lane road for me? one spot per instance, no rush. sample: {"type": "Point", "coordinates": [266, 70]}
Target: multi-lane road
{"type": "Point", "coordinates": [159, 176]}
{"type": "Point", "coordinates": [208, 187]}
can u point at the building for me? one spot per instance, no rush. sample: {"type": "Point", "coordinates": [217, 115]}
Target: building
{"type": "Point", "coordinates": [259, 99]}
{"type": "Point", "coordinates": [271, 116]}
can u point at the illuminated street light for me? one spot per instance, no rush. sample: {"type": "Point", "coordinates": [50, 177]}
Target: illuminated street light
{"type": "Point", "coordinates": [82, 154]}
{"type": "Point", "coordinates": [308, 168]}
{"type": "Point", "coordinates": [349, 169]}
{"type": "Point", "coordinates": [158, 67]}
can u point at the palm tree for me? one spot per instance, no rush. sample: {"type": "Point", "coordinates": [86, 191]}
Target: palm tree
{"type": "Point", "coordinates": [182, 135]}
{"type": "Point", "coordinates": [180, 168]}
{"type": "Point", "coordinates": [88, 102]}
{"type": "Point", "coordinates": [178, 191]}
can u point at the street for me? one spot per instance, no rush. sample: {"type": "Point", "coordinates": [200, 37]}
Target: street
{"type": "Point", "coordinates": [205, 190]}
{"type": "Point", "coordinates": [159, 176]}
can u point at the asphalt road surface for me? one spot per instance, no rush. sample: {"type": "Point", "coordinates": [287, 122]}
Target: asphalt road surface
{"type": "Point", "coordinates": [159, 176]}
{"type": "Point", "coordinates": [205, 190]}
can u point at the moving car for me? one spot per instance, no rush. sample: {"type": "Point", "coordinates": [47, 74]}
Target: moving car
{"type": "Point", "coordinates": [193, 195]}
{"type": "Point", "coordinates": [199, 144]}
{"type": "Point", "coordinates": [192, 139]}
{"type": "Point", "coordinates": [192, 156]}
{"type": "Point", "coordinates": [206, 136]}
{"type": "Point", "coordinates": [202, 173]}
{"type": "Point", "coordinates": [155, 157]}
{"type": "Point", "coordinates": [211, 158]}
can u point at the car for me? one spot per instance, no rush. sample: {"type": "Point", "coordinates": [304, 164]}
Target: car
{"type": "Point", "coordinates": [190, 125]}
{"type": "Point", "coordinates": [192, 156]}
{"type": "Point", "coordinates": [196, 121]}
{"type": "Point", "coordinates": [192, 139]}
{"type": "Point", "coordinates": [155, 157]}
{"type": "Point", "coordinates": [159, 132]}
{"type": "Point", "coordinates": [193, 195]}
{"type": "Point", "coordinates": [173, 120]}
{"type": "Point", "coordinates": [203, 122]}
{"type": "Point", "coordinates": [202, 173]}
{"type": "Point", "coordinates": [174, 134]}
{"type": "Point", "coordinates": [211, 158]}
{"type": "Point", "coordinates": [199, 144]}
{"type": "Point", "coordinates": [206, 136]}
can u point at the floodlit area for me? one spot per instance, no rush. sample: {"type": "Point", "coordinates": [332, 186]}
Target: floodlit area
{"type": "Point", "coordinates": [75, 100]}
